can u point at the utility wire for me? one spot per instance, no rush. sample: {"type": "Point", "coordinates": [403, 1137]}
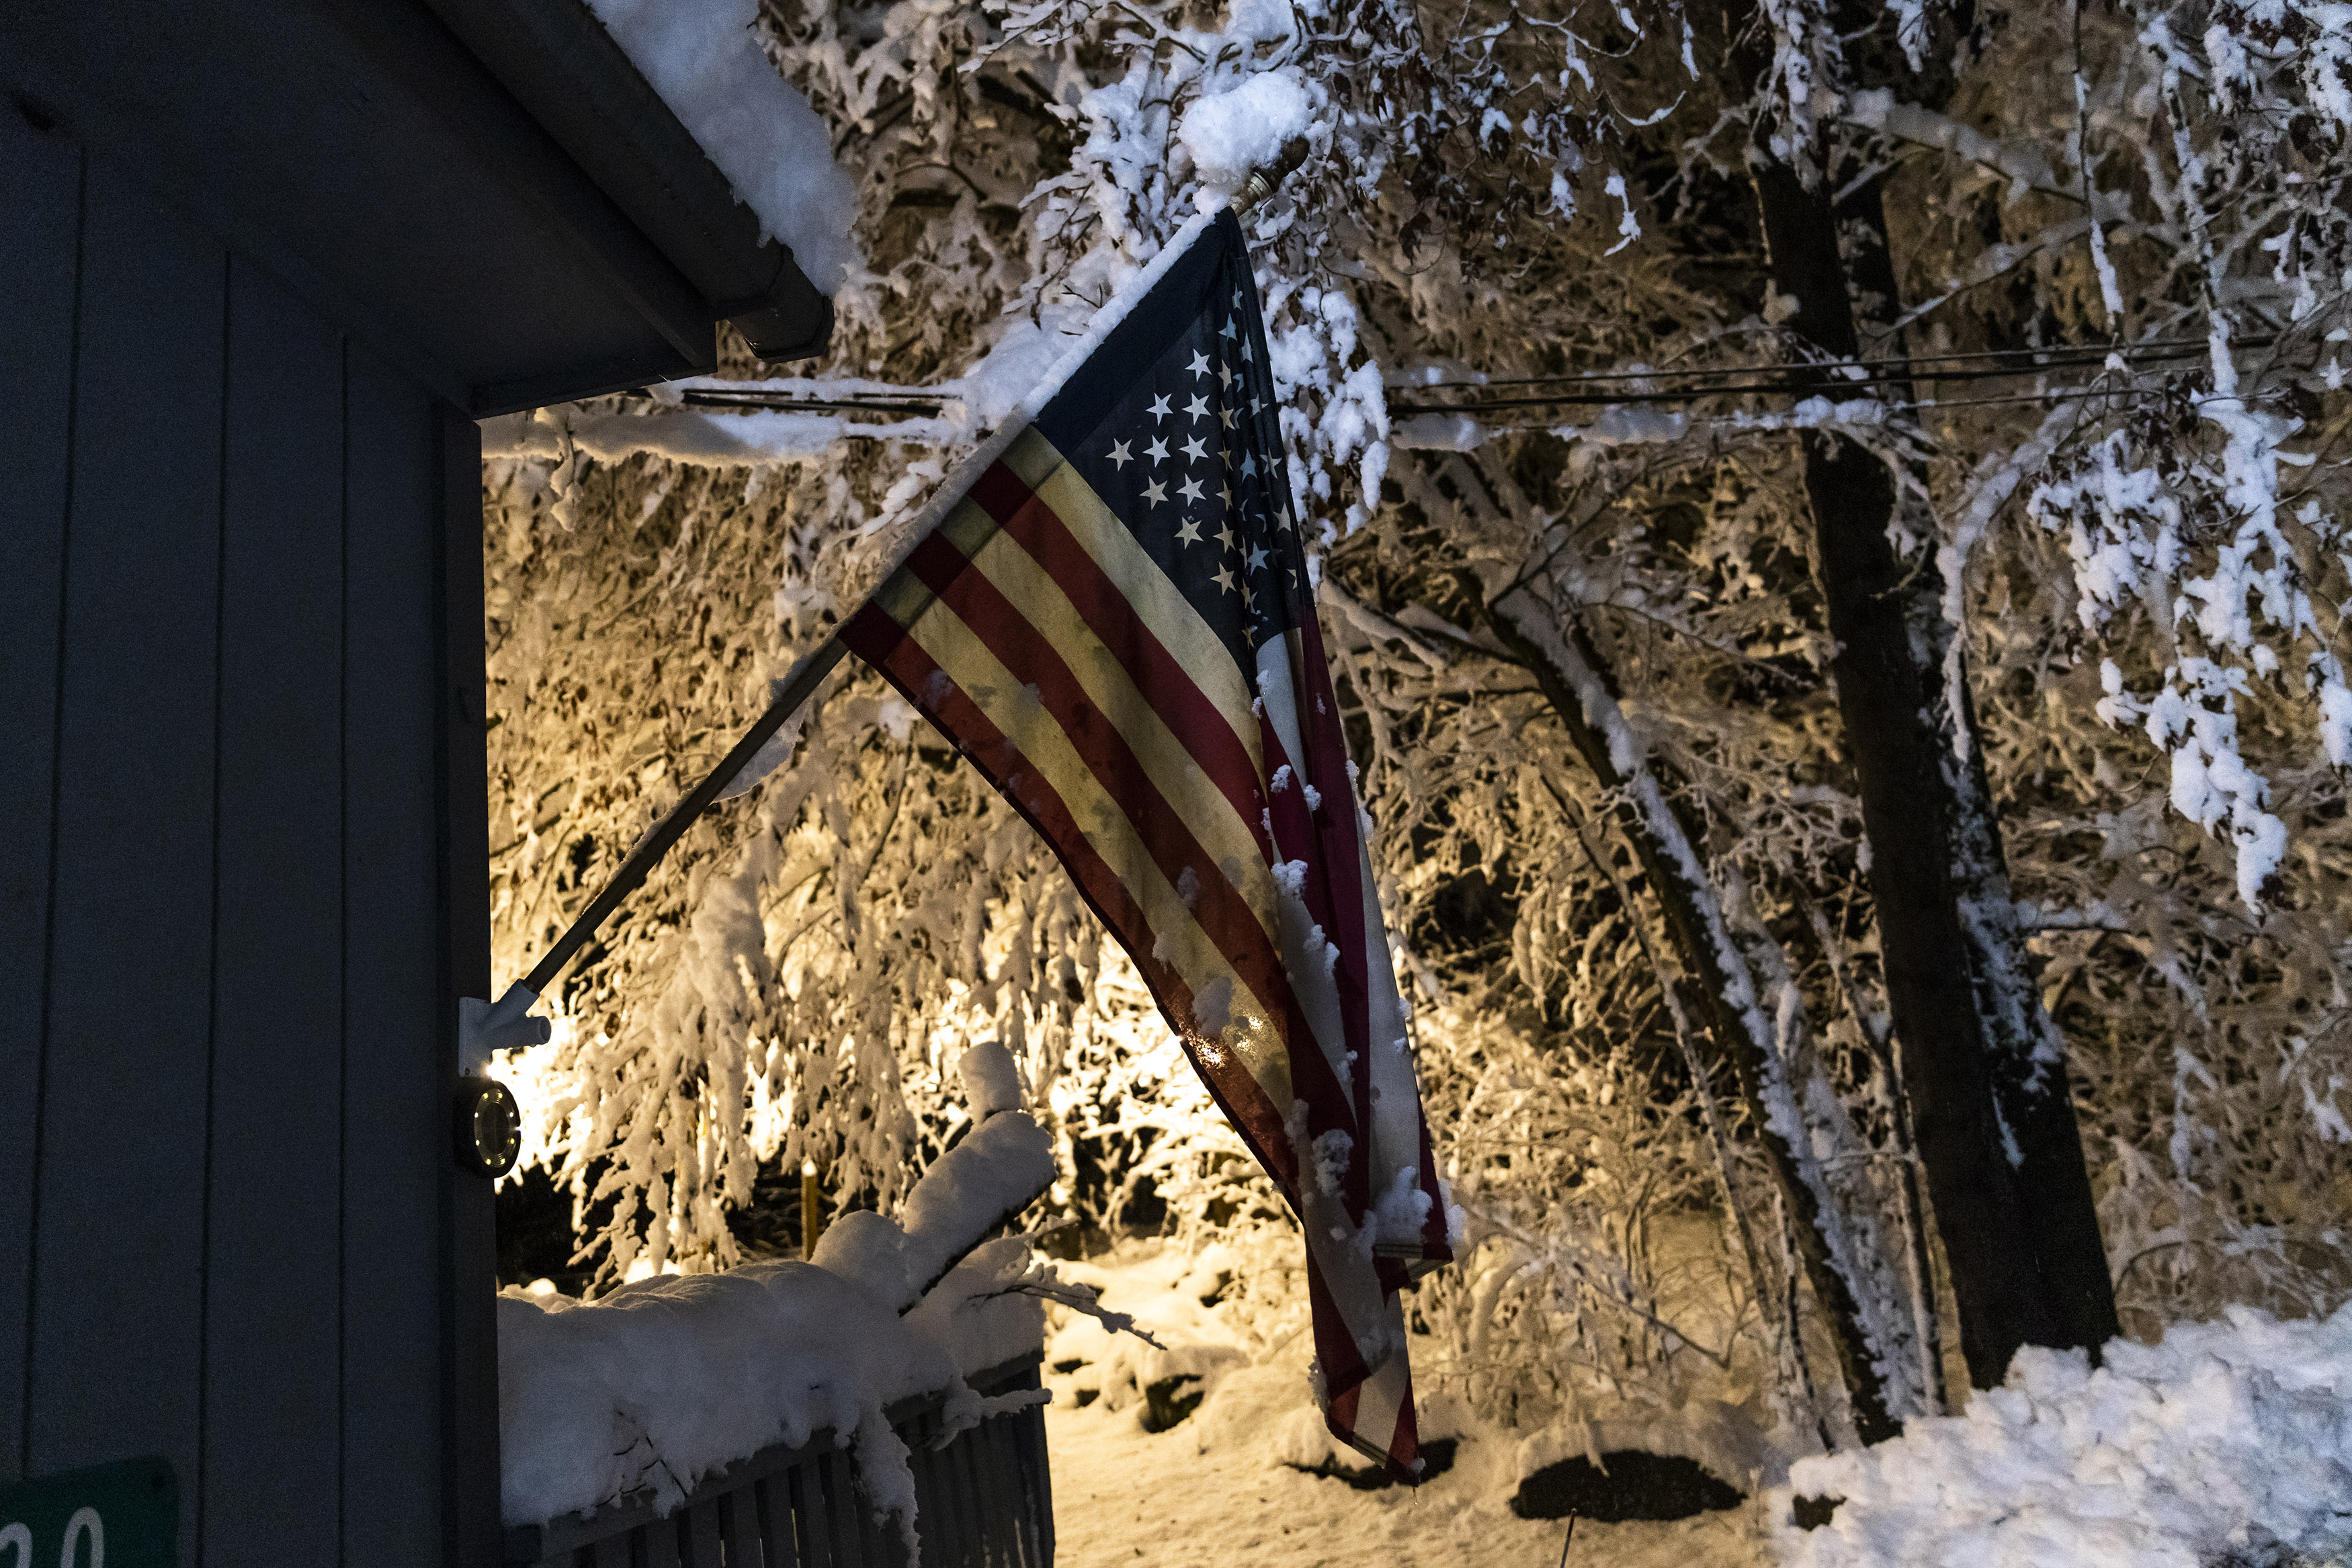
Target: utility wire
{"type": "Point", "coordinates": [1786, 387]}
{"type": "Point", "coordinates": [1925, 405]}
{"type": "Point", "coordinates": [1789, 377]}
{"type": "Point", "coordinates": [1818, 377]}
{"type": "Point", "coordinates": [1920, 366]}
{"type": "Point", "coordinates": [1681, 394]}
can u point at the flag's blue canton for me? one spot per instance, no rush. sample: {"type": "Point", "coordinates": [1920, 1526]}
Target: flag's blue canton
{"type": "Point", "coordinates": [1187, 454]}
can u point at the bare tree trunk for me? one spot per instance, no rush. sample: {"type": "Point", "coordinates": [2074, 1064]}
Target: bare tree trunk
{"type": "Point", "coordinates": [1784, 1335]}
{"type": "Point", "coordinates": [1564, 666]}
{"type": "Point", "coordinates": [1984, 1070]}
{"type": "Point", "coordinates": [1570, 673]}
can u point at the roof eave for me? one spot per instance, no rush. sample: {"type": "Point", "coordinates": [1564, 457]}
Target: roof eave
{"type": "Point", "coordinates": [567, 72]}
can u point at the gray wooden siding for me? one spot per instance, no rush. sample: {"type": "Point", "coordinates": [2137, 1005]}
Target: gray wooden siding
{"type": "Point", "coordinates": [242, 787]}
{"type": "Point", "coordinates": [37, 240]}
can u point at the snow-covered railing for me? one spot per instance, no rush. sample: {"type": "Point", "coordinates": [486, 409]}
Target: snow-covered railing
{"type": "Point", "coordinates": [714, 1419]}
{"type": "Point", "coordinates": [983, 1498]}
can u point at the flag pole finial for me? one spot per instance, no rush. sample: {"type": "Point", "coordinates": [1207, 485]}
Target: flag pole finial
{"type": "Point", "coordinates": [1261, 182]}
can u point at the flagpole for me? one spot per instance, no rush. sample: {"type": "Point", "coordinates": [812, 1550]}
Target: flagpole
{"type": "Point", "coordinates": [483, 1028]}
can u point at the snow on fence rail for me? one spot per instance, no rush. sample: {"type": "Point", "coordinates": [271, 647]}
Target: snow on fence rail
{"type": "Point", "coordinates": [633, 1418]}
{"type": "Point", "coordinates": [984, 1497]}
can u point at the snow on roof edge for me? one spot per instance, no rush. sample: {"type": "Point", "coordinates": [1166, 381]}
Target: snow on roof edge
{"type": "Point", "coordinates": [703, 57]}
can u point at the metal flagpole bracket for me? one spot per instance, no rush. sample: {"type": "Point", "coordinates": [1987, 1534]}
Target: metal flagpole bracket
{"type": "Point", "coordinates": [486, 1122]}
{"type": "Point", "coordinates": [484, 1026]}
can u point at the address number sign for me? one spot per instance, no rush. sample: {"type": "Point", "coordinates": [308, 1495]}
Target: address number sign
{"type": "Point", "coordinates": [123, 1515]}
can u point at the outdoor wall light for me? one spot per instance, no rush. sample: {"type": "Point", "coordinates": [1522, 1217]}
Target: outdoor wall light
{"type": "Point", "coordinates": [488, 1127]}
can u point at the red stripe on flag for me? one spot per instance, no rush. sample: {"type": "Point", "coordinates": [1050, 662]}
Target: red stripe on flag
{"type": "Point", "coordinates": [1286, 807]}
{"type": "Point", "coordinates": [882, 643]}
{"type": "Point", "coordinates": [1404, 1452]}
{"type": "Point", "coordinates": [1208, 732]}
{"type": "Point", "coordinates": [1339, 868]}
{"type": "Point", "coordinates": [1332, 1105]}
{"type": "Point", "coordinates": [1028, 656]}
{"type": "Point", "coordinates": [1342, 889]}
{"type": "Point", "coordinates": [1336, 1355]}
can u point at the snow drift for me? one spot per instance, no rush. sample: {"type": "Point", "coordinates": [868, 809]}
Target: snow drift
{"type": "Point", "coordinates": [2227, 1439]}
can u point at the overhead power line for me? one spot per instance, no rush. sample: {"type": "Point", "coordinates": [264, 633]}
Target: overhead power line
{"type": "Point", "coordinates": [1824, 379]}
{"type": "Point", "coordinates": [1920, 405]}
{"type": "Point", "coordinates": [1810, 378]}
{"type": "Point", "coordinates": [1805, 376]}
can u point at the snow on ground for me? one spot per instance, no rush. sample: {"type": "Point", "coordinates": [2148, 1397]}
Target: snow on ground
{"type": "Point", "coordinates": [1122, 1494]}
{"type": "Point", "coordinates": [2228, 1441]}
{"type": "Point", "coordinates": [1215, 1487]}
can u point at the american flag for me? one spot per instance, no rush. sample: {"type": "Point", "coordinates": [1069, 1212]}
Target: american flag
{"type": "Point", "coordinates": [1115, 623]}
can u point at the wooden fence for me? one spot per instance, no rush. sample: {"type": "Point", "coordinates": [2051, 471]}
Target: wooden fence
{"type": "Point", "coordinates": [984, 1500]}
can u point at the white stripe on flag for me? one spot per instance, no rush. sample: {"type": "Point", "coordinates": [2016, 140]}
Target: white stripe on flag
{"type": "Point", "coordinates": [1383, 1394]}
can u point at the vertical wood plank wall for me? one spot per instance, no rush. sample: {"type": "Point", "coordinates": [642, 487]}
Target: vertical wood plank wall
{"type": "Point", "coordinates": [241, 788]}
